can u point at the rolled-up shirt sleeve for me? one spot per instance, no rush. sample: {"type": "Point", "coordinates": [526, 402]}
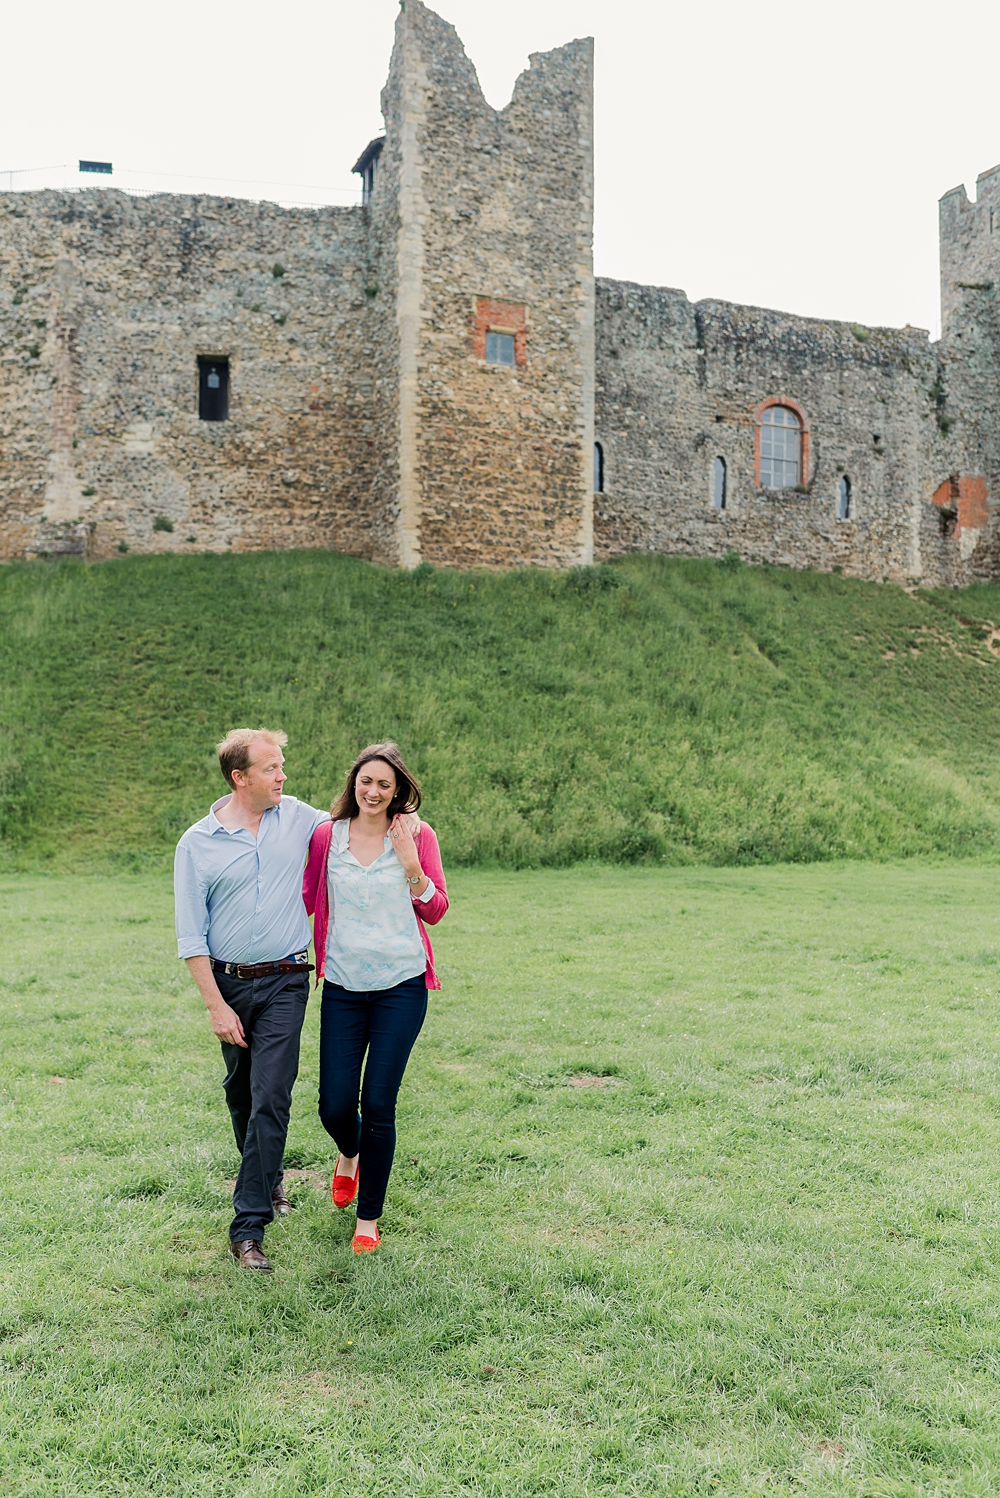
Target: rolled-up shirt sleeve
{"type": "Point", "coordinates": [190, 905]}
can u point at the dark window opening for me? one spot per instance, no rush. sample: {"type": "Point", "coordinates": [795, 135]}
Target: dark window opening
{"type": "Point", "coordinates": [213, 389]}
{"type": "Point", "coordinates": [719, 484]}
{"type": "Point", "coordinates": [500, 348]}
{"type": "Point", "coordinates": [844, 498]}
{"type": "Point", "coordinates": [598, 468]}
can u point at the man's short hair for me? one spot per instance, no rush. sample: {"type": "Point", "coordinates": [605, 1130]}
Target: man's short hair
{"type": "Point", "coordinates": [234, 751]}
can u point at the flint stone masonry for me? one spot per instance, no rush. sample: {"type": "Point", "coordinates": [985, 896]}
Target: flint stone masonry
{"type": "Point", "coordinates": [679, 385]}
{"type": "Point", "coordinates": [364, 416]}
{"type": "Point", "coordinates": [107, 301]}
{"type": "Point", "coordinates": [477, 208]}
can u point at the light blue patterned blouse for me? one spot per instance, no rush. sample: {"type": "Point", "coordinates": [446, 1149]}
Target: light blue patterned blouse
{"type": "Point", "coordinates": [374, 941]}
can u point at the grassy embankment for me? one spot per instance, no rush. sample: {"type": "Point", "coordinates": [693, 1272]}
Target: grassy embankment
{"type": "Point", "coordinates": [697, 1194]}
{"type": "Point", "coordinates": [663, 709]}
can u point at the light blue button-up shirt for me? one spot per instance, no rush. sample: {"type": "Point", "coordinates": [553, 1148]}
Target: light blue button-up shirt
{"type": "Point", "coordinates": [237, 897]}
{"type": "Point", "coordinates": [373, 941]}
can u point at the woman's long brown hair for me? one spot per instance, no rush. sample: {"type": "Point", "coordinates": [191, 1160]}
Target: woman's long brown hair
{"type": "Point", "coordinates": [407, 797]}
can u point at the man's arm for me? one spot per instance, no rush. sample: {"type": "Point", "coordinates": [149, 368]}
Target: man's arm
{"type": "Point", "coordinates": [191, 915]}
{"type": "Point", "coordinates": [225, 1021]}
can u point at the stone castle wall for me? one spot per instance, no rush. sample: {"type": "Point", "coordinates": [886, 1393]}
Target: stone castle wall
{"type": "Point", "coordinates": [107, 301]}
{"type": "Point", "coordinates": [679, 385]}
{"type": "Point", "coordinates": [969, 380]}
{"type": "Point", "coordinates": [365, 416]}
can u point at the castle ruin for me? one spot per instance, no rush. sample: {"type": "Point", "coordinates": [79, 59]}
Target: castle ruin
{"type": "Point", "coordinates": [434, 375]}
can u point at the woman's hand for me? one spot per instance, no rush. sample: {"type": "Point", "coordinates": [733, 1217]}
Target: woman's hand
{"type": "Point", "coordinates": [405, 849]}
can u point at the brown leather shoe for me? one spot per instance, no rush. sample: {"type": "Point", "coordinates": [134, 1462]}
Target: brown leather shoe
{"type": "Point", "coordinates": [280, 1201]}
{"type": "Point", "coordinates": [249, 1255]}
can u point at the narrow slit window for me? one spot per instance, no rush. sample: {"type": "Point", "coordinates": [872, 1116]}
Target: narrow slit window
{"type": "Point", "coordinates": [598, 468]}
{"type": "Point", "coordinates": [213, 389]}
{"type": "Point", "coordinates": [844, 498]}
{"type": "Point", "coordinates": [719, 484]}
{"type": "Point", "coordinates": [500, 348]}
{"type": "Point", "coordinates": [780, 448]}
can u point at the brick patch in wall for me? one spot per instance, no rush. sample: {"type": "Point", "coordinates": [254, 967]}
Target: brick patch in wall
{"type": "Point", "coordinates": [490, 316]}
{"type": "Point", "coordinates": [966, 494]}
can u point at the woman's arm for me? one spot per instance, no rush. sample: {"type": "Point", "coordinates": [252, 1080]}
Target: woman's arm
{"type": "Point", "coordinates": [430, 861]}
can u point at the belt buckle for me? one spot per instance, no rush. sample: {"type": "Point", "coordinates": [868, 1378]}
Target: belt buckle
{"type": "Point", "coordinates": [238, 969]}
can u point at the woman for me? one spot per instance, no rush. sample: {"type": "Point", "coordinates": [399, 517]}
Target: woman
{"type": "Point", "coordinates": [374, 880]}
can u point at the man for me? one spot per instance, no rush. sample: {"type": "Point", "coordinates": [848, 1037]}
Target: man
{"type": "Point", "coordinates": [243, 931]}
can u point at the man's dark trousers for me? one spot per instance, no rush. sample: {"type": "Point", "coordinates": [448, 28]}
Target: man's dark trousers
{"type": "Point", "coordinates": [258, 1087]}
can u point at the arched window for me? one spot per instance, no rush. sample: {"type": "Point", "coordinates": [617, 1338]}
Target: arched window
{"type": "Point", "coordinates": [598, 468]}
{"type": "Point", "coordinates": [844, 498]}
{"type": "Point", "coordinates": [719, 484]}
{"type": "Point", "coordinates": [780, 448]}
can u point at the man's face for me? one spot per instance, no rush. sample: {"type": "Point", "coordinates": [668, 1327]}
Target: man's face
{"type": "Point", "coordinates": [260, 784]}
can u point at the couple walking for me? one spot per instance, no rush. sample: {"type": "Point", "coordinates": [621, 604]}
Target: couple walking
{"type": "Point", "coordinates": [246, 878]}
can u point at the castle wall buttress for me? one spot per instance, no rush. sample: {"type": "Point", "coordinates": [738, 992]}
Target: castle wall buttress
{"type": "Point", "coordinates": [398, 215]}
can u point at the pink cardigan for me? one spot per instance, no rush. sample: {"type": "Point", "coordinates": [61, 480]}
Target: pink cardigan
{"type": "Point", "coordinates": [314, 892]}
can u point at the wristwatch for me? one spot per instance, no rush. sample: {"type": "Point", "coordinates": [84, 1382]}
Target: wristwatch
{"type": "Point", "coordinates": [414, 878]}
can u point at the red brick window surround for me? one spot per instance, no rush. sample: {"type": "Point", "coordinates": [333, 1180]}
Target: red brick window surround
{"type": "Point", "coordinates": [803, 427]}
{"type": "Point", "coordinates": [493, 316]}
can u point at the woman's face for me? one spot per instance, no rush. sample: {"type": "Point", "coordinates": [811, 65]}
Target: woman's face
{"type": "Point", "coordinates": [375, 787]}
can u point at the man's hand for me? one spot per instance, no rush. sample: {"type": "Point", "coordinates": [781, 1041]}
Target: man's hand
{"type": "Point", "coordinates": [225, 1021]}
{"type": "Point", "coordinates": [226, 1025]}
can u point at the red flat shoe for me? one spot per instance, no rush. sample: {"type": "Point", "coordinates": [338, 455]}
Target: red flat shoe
{"type": "Point", "coordinates": [345, 1189]}
{"type": "Point", "coordinates": [362, 1244]}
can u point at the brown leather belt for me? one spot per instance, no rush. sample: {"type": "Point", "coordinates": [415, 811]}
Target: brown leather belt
{"type": "Point", "coordinates": [294, 964]}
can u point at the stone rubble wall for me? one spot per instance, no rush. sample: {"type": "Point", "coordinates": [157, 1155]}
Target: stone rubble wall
{"type": "Point", "coordinates": [678, 384]}
{"type": "Point", "coordinates": [106, 302]}
{"type": "Point", "coordinates": [968, 384]}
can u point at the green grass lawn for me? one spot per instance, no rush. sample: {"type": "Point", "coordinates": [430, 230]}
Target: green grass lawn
{"type": "Point", "coordinates": [663, 709]}
{"type": "Point", "coordinates": [696, 1194]}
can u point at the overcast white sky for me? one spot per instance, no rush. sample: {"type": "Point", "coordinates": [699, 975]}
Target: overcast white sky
{"type": "Point", "coordinates": [783, 156]}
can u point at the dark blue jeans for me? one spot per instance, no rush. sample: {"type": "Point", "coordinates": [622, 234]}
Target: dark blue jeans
{"type": "Point", "coordinates": [385, 1023]}
{"type": "Point", "coordinates": [258, 1087]}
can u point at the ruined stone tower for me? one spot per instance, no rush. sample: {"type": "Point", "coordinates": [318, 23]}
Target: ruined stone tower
{"type": "Point", "coordinates": [434, 376]}
{"type": "Point", "coordinates": [482, 223]}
